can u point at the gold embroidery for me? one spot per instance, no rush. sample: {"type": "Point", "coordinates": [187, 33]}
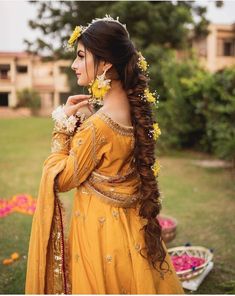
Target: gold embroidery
{"type": "Point", "coordinates": [84, 191]}
{"type": "Point", "coordinates": [123, 130]}
{"type": "Point", "coordinates": [75, 163]}
{"type": "Point", "coordinates": [115, 214]}
{"type": "Point", "coordinates": [56, 269]}
{"type": "Point", "coordinates": [133, 142]}
{"type": "Point", "coordinates": [103, 140]}
{"type": "Point", "coordinates": [77, 257]}
{"type": "Point", "coordinates": [79, 142]}
{"type": "Point", "coordinates": [137, 246]}
{"type": "Point", "coordinates": [123, 291]}
{"type": "Point", "coordinates": [59, 142]}
{"type": "Point", "coordinates": [115, 198]}
{"type": "Point", "coordinates": [101, 220]}
{"type": "Point", "coordinates": [109, 258]}
{"type": "Point", "coordinates": [98, 178]}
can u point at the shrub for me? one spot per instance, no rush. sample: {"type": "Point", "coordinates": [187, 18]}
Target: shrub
{"type": "Point", "coordinates": [29, 98]}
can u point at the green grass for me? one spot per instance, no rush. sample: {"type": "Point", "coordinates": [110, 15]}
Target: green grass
{"type": "Point", "coordinates": [202, 200]}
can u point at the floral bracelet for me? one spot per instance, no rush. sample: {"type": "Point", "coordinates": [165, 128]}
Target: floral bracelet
{"type": "Point", "coordinates": [66, 124]}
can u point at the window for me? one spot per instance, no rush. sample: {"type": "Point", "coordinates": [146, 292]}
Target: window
{"type": "Point", "coordinates": [63, 69]}
{"type": "Point", "coordinates": [3, 99]}
{"type": "Point", "coordinates": [4, 69]}
{"type": "Point", "coordinates": [228, 47]}
{"type": "Point", "coordinates": [21, 69]}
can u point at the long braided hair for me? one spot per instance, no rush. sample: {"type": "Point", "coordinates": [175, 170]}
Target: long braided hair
{"type": "Point", "coordinates": [109, 41]}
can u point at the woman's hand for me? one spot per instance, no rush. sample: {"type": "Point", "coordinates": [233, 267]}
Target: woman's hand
{"type": "Point", "coordinates": [75, 103]}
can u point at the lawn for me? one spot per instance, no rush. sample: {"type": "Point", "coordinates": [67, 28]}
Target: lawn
{"type": "Point", "coordinates": [202, 200]}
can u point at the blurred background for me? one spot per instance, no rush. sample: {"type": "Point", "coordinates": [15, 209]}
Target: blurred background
{"type": "Point", "coordinates": [190, 47]}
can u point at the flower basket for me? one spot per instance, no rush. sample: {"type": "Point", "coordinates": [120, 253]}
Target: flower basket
{"type": "Point", "coordinates": [169, 225]}
{"type": "Point", "coordinates": [190, 261]}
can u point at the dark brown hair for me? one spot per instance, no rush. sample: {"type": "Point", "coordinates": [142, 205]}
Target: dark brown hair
{"type": "Point", "coordinates": [109, 41]}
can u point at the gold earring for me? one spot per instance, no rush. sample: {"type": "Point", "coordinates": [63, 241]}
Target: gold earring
{"type": "Point", "coordinates": [98, 88]}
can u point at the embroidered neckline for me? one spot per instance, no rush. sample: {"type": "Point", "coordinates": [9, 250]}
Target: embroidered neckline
{"type": "Point", "coordinates": [123, 129]}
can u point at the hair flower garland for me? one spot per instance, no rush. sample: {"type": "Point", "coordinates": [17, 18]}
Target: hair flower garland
{"type": "Point", "coordinates": [156, 167]}
{"type": "Point", "coordinates": [76, 33]}
{"type": "Point", "coordinates": [156, 131]}
{"type": "Point", "coordinates": [149, 96]}
{"type": "Point", "coordinates": [142, 63]}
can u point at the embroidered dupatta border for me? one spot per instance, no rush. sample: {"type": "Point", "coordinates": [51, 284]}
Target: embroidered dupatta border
{"type": "Point", "coordinates": [57, 278]}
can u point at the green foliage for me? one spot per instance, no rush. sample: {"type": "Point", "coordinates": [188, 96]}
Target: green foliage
{"type": "Point", "coordinates": [197, 108]}
{"type": "Point", "coordinates": [30, 98]}
{"type": "Point", "coordinates": [220, 113]}
{"type": "Point", "coordinates": [148, 22]}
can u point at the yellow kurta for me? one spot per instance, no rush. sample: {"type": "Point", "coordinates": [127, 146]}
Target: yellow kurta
{"type": "Point", "coordinates": [104, 242]}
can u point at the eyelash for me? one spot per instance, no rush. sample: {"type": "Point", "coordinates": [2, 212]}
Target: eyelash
{"type": "Point", "coordinates": [80, 56]}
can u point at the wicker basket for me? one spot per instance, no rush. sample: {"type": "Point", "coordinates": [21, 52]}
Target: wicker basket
{"type": "Point", "coordinates": [169, 233]}
{"type": "Point", "coordinates": [196, 251]}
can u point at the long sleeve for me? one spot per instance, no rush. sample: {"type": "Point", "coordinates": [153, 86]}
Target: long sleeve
{"type": "Point", "coordinates": [78, 155]}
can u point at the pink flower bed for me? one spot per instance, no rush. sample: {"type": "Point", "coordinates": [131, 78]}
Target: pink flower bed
{"type": "Point", "coordinates": [22, 203]}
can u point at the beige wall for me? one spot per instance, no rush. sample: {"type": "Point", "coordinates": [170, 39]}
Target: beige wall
{"type": "Point", "coordinates": [45, 77]}
{"type": "Point", "coordinates": [213, 49]}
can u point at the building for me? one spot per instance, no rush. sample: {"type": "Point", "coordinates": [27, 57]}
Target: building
{"type": "Point", "coordinates": [217, 50]}
{"type": "Point", "coordinates": [20, 70]}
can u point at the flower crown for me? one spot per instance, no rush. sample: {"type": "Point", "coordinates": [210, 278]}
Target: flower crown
{"type": "Point", "coordinates": [81, 29]}
{"type": "Point", "coordinates": [155, 132]}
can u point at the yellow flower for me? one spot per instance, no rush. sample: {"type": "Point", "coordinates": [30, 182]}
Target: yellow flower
{"type": "Point", "coordinates": [76, 33]}
{"type": "Point", "coordinates": [98, 90]}
{"type": "Point", "coordinates": [149, 96]}
{"type": "Point", "coordinates": [156, 131]}
{"type": "Point", "coordinates": [15, 256]}
{"type": "Point", "coordinates": [142, 62]}
{"type": "Point", "coordinates": [155, 168]}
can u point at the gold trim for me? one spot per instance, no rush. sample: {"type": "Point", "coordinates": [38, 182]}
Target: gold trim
{"type": "Point", "coordinates": [95, 176]}
{"type": "Point", "coordinates": [117, 199]}
{"type": "Point", "coordinates": [122, 129]}
{"type": "Point", "coordinates": [58, 280]}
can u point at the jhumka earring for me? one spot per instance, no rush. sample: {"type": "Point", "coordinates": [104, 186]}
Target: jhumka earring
{"type": "Point", "coordinates": [98, 88]}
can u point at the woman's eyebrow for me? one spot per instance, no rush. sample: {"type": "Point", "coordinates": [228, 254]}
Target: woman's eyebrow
{"type": "Point", "coordinates": [79, 51]}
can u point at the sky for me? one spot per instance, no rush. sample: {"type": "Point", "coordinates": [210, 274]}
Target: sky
{"type": "Point", "coordinates": [14, 17]}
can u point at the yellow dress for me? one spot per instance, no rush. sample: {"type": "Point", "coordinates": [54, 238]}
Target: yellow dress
{"type": "Point", "coordinates": [104, 241]}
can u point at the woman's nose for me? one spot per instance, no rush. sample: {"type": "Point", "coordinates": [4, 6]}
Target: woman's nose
{"type": "Point", "coordinates": [73, 66]}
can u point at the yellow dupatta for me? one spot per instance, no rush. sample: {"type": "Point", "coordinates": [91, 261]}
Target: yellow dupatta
{"type": "Point", "coordinates": [70, 164]}
{"type": "Point", "coordinates": [47, 267]}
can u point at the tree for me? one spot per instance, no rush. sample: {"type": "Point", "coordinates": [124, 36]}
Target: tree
{"type": "Point", "coordinates": [162, 22]}
{"type": "Point", "coordinates": [154, 26]}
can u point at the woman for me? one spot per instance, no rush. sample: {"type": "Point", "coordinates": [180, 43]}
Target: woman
{"type": "Point", "coordinates": [114, 244]}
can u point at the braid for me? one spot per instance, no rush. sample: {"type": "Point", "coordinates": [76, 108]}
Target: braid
{"type": "Point", "coordinates": [135, 83]}
{"type": "Point", "coordinates": [110, 42]}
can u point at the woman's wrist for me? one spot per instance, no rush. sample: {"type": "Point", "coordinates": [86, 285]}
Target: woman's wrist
{"type": "Point", "coordinates": [64, 123]}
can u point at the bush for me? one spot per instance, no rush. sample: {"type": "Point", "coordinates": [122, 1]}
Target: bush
{"type": "Point", "coordinates": [29, 98]}
{"type": "Point", "coordinates": [196, 107]}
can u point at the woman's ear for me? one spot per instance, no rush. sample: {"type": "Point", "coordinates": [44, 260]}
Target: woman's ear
{"type": "Point", "coordinates": [106, 66]}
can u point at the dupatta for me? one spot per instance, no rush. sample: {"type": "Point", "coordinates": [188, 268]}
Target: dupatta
{"type": "Point", "coordinates": [47, 266]}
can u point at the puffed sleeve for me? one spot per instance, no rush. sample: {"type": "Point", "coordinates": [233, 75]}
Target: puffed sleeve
{"type": "Point", "coordinates": [77, 155]}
